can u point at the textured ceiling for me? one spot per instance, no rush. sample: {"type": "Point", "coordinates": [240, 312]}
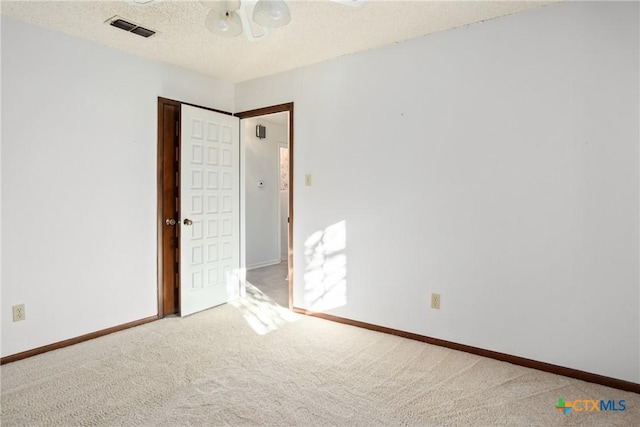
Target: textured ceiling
{"type": "Point", "coordinates": [319, 30]}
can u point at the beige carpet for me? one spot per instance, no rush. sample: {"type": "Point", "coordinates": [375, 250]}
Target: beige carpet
{"type": "Point", "coordinates": [214, 368]}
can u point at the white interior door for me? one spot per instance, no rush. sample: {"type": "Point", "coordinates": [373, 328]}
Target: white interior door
{"type": "Point", "coordinates": [209, 209]}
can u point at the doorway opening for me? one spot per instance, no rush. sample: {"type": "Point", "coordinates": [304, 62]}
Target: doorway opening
{"type": "Point", "coordinates": [268, 200]}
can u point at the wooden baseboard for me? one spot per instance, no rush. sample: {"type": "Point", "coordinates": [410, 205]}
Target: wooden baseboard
{"type": "Point", "coordinates": [529, 363]}
{"type": "Point", "coordinates": [263, 264]}
{"type": "Point", "coordinates": [76, 340]}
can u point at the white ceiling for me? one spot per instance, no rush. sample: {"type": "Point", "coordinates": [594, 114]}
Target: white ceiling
{"type": "Point", "coordinates": [319, 30]}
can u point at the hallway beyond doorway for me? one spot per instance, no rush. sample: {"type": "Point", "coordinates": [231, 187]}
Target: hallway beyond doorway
{"type": "Point", "coordinates": [272, 281]}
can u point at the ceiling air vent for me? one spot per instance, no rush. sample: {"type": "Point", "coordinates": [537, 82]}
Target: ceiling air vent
{"type": "Point", "coordinates": [129, 26]}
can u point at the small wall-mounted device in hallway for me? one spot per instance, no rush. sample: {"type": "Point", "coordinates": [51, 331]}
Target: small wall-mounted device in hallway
{"type": "Point", "coordinates": [435, 301]}
{"type": "Point", "coordinates": [261, 131]}
{"type": "Point", "coordinates": [307, 180]}
{"type": "Point", "coordinates": [260, 184]}
{"type": "Point", "coordinates": [18, 312]}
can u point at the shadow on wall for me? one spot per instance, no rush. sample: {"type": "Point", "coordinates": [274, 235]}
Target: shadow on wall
{"type": "Point", "coordinates": [325, 276]}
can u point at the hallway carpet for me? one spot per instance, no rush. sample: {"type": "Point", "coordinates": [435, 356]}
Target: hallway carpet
{"type": "Point", "coordinates": [272, 280]}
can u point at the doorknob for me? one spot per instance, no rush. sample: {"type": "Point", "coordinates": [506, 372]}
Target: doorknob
{"type": "Point", "coordinates": [170, 221]}
{"type": "Point", "coordinates": [187, 221]}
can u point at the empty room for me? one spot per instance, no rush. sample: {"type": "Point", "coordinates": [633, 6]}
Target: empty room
{"type": "Point", "coordinates": [220, 238]}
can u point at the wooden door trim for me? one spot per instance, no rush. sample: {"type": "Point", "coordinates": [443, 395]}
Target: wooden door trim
{"type": "Point", "coordinates": [162, 102]}
{"type": "Point", "coordinates": [281, 108]}
{"type": "Point", "coordinates": [180, 103]}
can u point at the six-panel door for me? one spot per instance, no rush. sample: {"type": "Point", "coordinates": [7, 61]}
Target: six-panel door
{"type": "Point", "coordinates": [209, 209]}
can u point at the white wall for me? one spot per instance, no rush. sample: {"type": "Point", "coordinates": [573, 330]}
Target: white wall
{"type": "Point", "coordinates": [262, 210]}
{"type": "Point", "coordinates": [79, 181]}
{"type": "Point", "coordinates": [495, 164]}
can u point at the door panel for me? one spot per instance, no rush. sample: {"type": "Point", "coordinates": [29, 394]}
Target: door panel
{"type": "Point", "coordinates": [209, 208]}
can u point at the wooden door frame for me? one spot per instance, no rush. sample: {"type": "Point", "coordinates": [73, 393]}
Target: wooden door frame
{"type": "Point", "coordinates": [163, 263]}
{"type": "Point", "coordinates": [281, 108]}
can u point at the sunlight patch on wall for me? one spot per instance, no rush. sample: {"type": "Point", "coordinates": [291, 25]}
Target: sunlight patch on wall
{"type": "Point", "coordinates": [284, 168]}
{"type": "Point", "coordinates": [325, 276]}
{"type": "Point", "coordinates": [262, 313]}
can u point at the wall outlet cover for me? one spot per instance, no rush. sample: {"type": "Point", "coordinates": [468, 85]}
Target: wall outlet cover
{"type": "Point", "coordinates": [18, 313]}
{"type": "Point", "coordinates": [435, 301]}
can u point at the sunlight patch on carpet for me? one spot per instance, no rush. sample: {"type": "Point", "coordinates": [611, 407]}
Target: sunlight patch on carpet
{"type": "Point", "coordinates": [262, 313]}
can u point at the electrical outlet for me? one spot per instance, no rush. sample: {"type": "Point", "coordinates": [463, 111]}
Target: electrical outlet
{"type": "Point", "coordinates": [435, 301]}
{"type": "Point", "coordinates": [18, 312]}
{"type": "Point", "coordinates": [307, 180]}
